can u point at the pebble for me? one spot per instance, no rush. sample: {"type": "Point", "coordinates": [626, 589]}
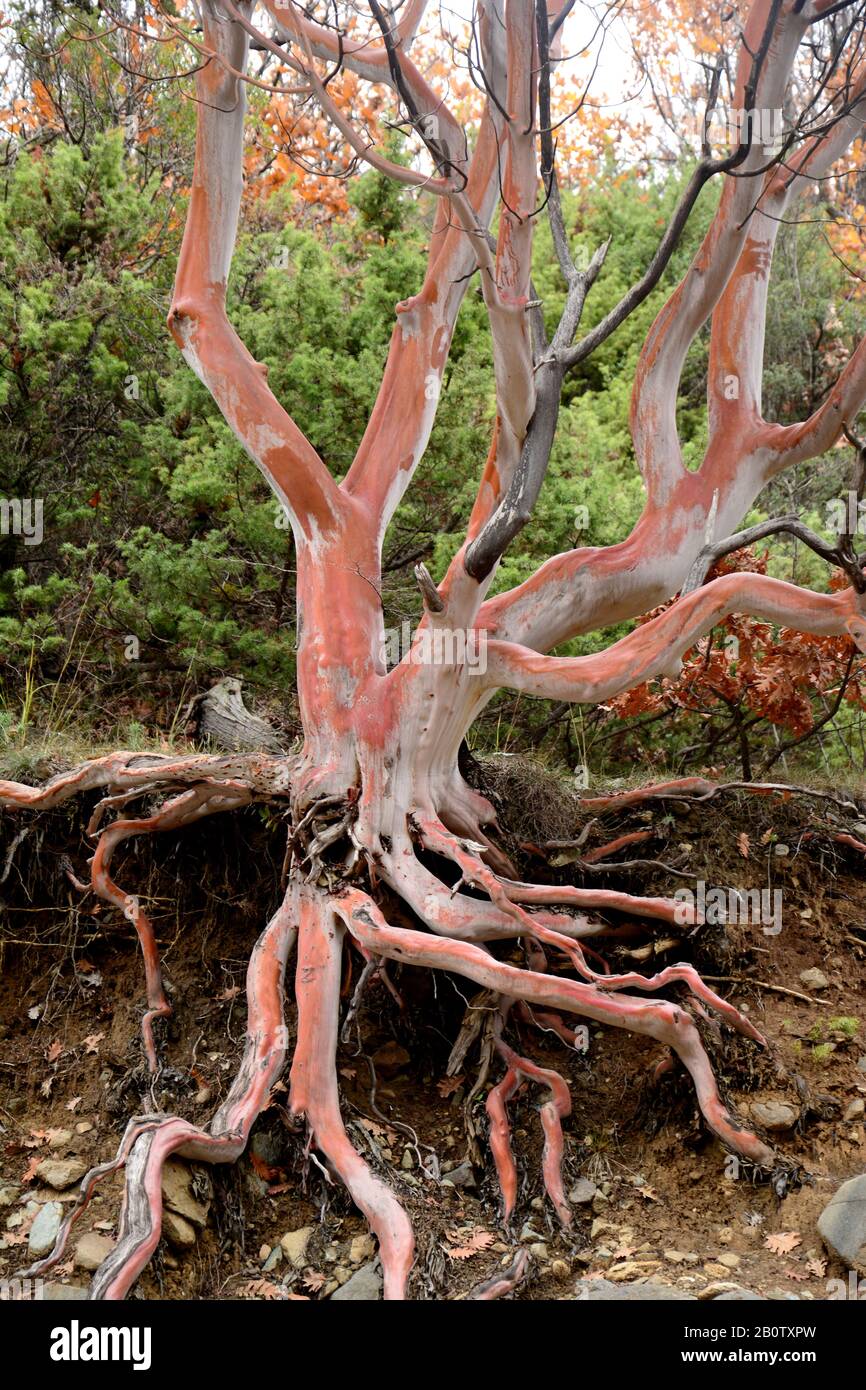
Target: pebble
{"type": "Point", "coordinates": [814, 979]}
{"type": "Point", "coordinates": [390, 1059]}
{"type": "Point", "coordinates": [60, 1138]}
{"type": "Point", "coordinates": [842, 1223]}
{"type": "Point", "coordinates": [729, 1260]}
{"type": "Point", "coordinates": [61, 1173]}
{"type": "Point", "coordinates": [365, 1286]}
{"type": "Point", "coordinates": [43, 1232]}
{"type": "Point", "coordinates": [539, 1249]}
{"type": "Point", "coordinates": [92, 1249]}
{"type": "Point", "coordinates": [775, 1115]}
{"type": "Point", "coordinates": [582, 1193]}
{"type": "Point", "coordinates": [855, 1110]}
{"type": "Point", "coordinates": [179, 1232]}
{"type": "Point", "coordinates": [361, 1249]}
{"type": "Point", "coordinates": [294, 1245]}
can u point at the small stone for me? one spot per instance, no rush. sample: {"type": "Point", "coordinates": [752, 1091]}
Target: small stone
{"type": "Point", "coordinates": [342, 1274]}
{"type": "Point", "coordinates": [83, 1127]}
{"type": "Point", "coordinates": [600, 1228]}
{"type": "Point", "coordinates": [861, 1064]}
{"type": "Point", "coordinates": [726, 1235]}
{"type": "Point", "coordinates": [264, 1251]}
{"type": "Point", "coordinates": [537, 1204]}
{"type": "Point", "coordinates": [408, 1160]}
{"type": "Point", "coordinates": [361, 1250]}
{"type": "Point", "coordinates": [274, 1259]}
{"type": "Point", "coordinates": [8, 1196]}
{"type": "Point", "coordinates": [626, 1270]}
{"type": "Point", "coordinates": [775, 1115]}
{"type": "Point", "coordinates": [855, 1110]}
{"type": "Point", "coordinates": [716, 1269]}
{"type": "Point", "coordinates": [560, 1269]}
{"type": "Point", "coordinates": [65, 1293]}
{"type": "Point", "coordinates": [539, 1249]}
{"type": "Point", "coordinates": [178, 1195]}
{"type": "Point", "coordinates": [529, 1234]}
{"type": "Point", "coordinates": [365, 1286]}
{"type": "Point", "coordinates": [814, 979]}
{"type": "Point", "coordinates": [599, 1202]}
{"type": "Point", "coordinates": [842, 1223]}
{"type": "Point", "coordinates": [61, 1173]}
{"type": "Point", "coordinates": [729, 1260]}
{"type": "Point", "coordinates": [92, 1249]}
{"type": "Point", "coordinates": [390, 1059]}
{"type": "Point", "coordinates": [294, 1245]}
{"type": "Point", "coordinates": [674, 1257]}
{"type": "Point", "coordinates": [715, 1289]}
{"type": "Point", "coordinates": [43, 1232]}
{"type": "Point", "coordinates": [59, 1139]}
{"type": "Point", "coordinates": [179, 1232]}
{"type": "Point", "coordinates": [462, 1175]}
{"type": "Point", "coordinates": [582, 1193]}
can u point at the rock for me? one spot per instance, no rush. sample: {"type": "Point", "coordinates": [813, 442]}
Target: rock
{"type": "Point", "coordinates": [861, 1064]}
{"type": "Point", "coordinates": [43, 1232]}
{"type": "Point", "coordinates": [599, 1202]}
{"type": "Point", "coordinates": [539, 1249]}
{"type": "Point", "coordinates": [83, 1127]}
{"type": "Point", "coordinates": [775, 1115]}
{"type": "Point", "coordinates": [560, 1269]}
{"type": "Point", "coordinates": [814, 979]}
{"type": "Point", "coordinates": [272, 1260]}
{"type": "Point", "coordinates": [600, 1228]}
{"type": "Point", "coordinates": [739, 1296]}
{"type": "Point", "coordinates": [365, 1286]}
{"type": "Point", "coordinates": [463, 1175]}
{"type": "Point", "coordinates": [714, 1268]}
{"type": "Point", "coordinates": [603, 1291]}
{"type": "Point", "coordinates": [625, 1270]}
{"type": "Point", "coordinates": [362, 1248]}
{"type": "Point", "coordinates": [65, 1293]}
{"type": "Point", "coordinates": [390, 1059]}
{"type": "Point", "coordinates": [294, 1245]}
{"type": "Point", "coordinates": [842, 1223]}
{"type": "Point", "coordinates": [61, 1173]}
{"type": "Point", "coordinates": [8, 1196]}
{"type": "Point", "coordinates": [179, 1232]}
{"type": "Point", "coordinates": [582, 1193]}
{"type": "Point", "coordinates": [730, 1261]}
{"type": "Point", "coordinates": [528, 1233]}
{"type": "Point", "coordinates": [92, 1249]}
{"type": "Point", "coordinates": [855, 1110]}
{"type": "Point", "coordinates": [407, 1162]}
{"type": "Point", "coordinates": [178, 1195]}
{"type": "Point", "coordinates": [674, 1257]}
{"type": "Point", "coordinates": [60, 1138]}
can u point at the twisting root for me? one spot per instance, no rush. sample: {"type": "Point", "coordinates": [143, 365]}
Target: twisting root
{"type": "Point", "coordinates": [701, 789]}
{"type": "Point", "coordinates": [150, 1140]}
{"type": "Point", "coordinates": [666, 1022]}
{"type": "Point", "coordinates": [553, 1112]}
{"type": "Point", "coordinates": [314, 1090]}
{"type": "Point", "coordinates": [503, 1282]}
{"type": "Point", "coordinates": [179, 811]}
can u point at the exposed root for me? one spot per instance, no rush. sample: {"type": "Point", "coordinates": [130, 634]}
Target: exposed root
{"type": "Point", "coordinates": [314, 1090]}
{"type": "Point", "coordinates": [180, 811]}
{"type": "Point", "coordinates": [502, 1283]}
{"type": "Point", "coordinates": [150, 1140]}
{"type": "Point", "coordinates": [700, 789]}
{"type": "Point", "coordinates": [666, 1022]}
{"type": "Point", "coordinates": [553, 1112]}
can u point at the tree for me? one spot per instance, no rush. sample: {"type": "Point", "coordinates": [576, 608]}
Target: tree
{"type": "Point", "coordinates": [384, 829]}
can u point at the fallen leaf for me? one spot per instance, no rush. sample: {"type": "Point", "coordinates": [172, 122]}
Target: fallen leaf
{"type": "Point", "coordinates": [478, 1240]}
{"type": "Point", "coordinates": [791, 1273]}
{"type": "Point", "coordinates": [817, 1268]}
{"type": "Point", "coordinates": [314, 1280]}
{"type": "Point", "coordinates": [743, 844]}
{"type": "Point", "coordinates": [448, 1085]}
{"type": "Point", "coordinates": [74, 1103]}
{"type": "Point", "coordinates": [783, 1242]}
{"type": "Point", "coordinates": [92, 1041]}
{"type": "Point", "coordinates": [54, 1051]}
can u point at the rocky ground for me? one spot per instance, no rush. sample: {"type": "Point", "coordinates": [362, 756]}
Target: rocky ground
{"type": "Point", "coordinates": [659, 1209]}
